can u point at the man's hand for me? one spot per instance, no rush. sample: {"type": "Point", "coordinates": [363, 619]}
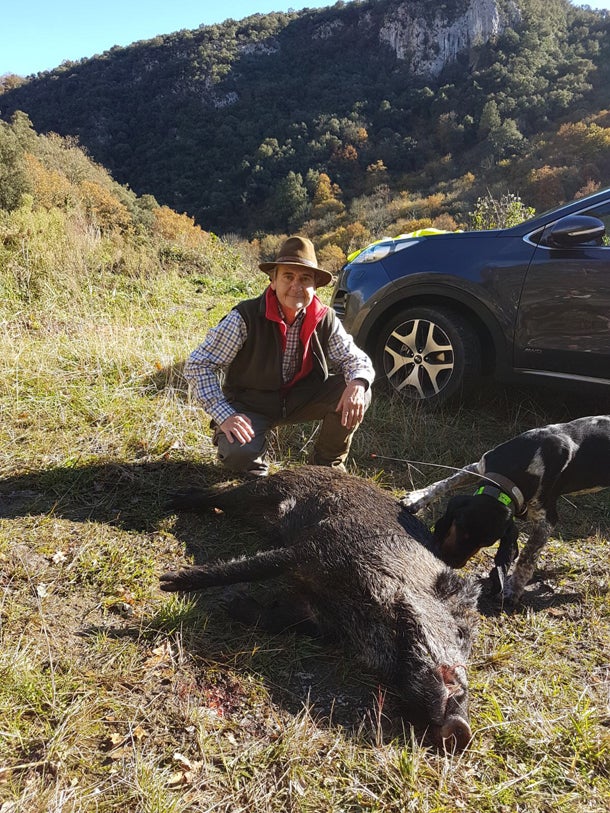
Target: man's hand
{"type": "Point", "coordinates": [351, 404]}
{"type": "Point", "coordinates": [238, 427]}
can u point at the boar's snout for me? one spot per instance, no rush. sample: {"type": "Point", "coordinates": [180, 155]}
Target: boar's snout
{"type": "Point", "coordinates": [453, 735]}
{"type": "Point", "coordinates": [440, 707]}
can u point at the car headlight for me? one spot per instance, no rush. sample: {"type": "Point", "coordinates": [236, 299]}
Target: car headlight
{"type": "Point", "coordinates": [380, 250]}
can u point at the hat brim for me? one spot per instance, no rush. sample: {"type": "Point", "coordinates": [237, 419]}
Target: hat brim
{"type": "Point", "coordinates": [323, 277]}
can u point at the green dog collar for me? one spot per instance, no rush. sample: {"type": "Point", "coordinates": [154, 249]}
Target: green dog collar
{"type": "Point", "coordinates": [506, 486]}
{"type": "Point", "coordinates": [499, 495]}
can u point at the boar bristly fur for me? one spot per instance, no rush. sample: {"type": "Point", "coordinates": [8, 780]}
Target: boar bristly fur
{"type": "Point", "coordinates": [362, 568]}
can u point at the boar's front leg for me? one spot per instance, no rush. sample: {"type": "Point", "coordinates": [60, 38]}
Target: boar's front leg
{"type": "Point", "coordinates": [264, 565]}
{"type": "Point", "coordinates": [284, 614]}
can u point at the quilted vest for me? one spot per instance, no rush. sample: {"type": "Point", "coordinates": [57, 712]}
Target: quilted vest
{"type": "Point", "coordinates": [257, 368]}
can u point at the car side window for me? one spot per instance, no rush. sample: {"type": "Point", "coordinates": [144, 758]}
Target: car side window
{"type": "Point", "coordinates": [602, 213]}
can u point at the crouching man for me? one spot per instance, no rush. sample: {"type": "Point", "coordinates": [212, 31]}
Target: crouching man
{"type": "Point", "coordinates": [281, 358]}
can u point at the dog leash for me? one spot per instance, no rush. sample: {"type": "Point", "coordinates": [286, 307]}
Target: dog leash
{"type": "Point", "coordinates": [505, 487]}
{"type": "Point", "coordinates": [422, 463]}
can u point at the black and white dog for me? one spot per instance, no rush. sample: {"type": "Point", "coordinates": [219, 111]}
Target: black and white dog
{"type": "Point", "coordinates": [523, 477]}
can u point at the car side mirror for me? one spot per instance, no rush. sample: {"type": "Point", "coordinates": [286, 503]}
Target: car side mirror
{"type": "Point", "coordinates": [574, 230]}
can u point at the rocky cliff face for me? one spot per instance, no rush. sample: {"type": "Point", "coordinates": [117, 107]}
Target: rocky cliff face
{"type": "Point", "coordinates": [429, 37]}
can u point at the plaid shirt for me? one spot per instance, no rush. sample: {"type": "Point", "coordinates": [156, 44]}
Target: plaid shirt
{"type": "Point", "coordinates": [206, 364]}
{"type": "Point", "coordinates": [291, 357]}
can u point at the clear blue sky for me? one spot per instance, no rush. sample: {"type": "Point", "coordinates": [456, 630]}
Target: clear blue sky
{"type": "Point", "coordinates": [37, 35]}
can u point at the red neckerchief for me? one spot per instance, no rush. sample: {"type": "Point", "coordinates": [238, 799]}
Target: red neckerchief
{"type": "Point", "coordinates": [314, 313]}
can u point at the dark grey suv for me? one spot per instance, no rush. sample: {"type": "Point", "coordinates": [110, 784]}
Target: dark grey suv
{"type": "Point", "coordinates": [436, 313]}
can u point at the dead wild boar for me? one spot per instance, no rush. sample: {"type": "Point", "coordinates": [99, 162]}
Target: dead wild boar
{"type": "Point", "coordinates": [358, 568]}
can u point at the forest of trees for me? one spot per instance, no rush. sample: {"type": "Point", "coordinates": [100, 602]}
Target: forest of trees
{"type": "Point", "coordinates": [262, 126]}
{"type": "Point", "coordinates": [64, 223]}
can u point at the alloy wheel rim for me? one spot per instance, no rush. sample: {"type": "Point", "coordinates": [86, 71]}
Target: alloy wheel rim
{"type": "Point", "coordinates": [418, 359]}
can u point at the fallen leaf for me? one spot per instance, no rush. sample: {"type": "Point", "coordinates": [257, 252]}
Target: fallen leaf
{"type": "Point", "coordinates": [121, 753]}
{"type": "Point", "coordinates": [178, 757]}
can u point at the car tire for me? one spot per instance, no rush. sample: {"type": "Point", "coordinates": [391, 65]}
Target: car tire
{"type": "Point", "coordinates": [428, 354]}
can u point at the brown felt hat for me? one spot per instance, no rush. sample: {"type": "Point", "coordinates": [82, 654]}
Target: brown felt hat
{"type": "Point", "coordinates": [299, 251]}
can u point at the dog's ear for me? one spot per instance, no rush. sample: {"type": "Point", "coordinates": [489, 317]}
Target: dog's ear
{"type": "Point", "coordinates": [452, 537]}
{"type": "Point", "coordinates": [454, 508]}
{"type": "Point", "coordinates": [508, 549]}
{"type": "Point", "coordinates": [456, 504]}
{"type": "Point", "coordinates": [507, 552]}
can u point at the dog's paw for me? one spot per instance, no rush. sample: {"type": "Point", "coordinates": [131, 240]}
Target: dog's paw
{"type": "Point", "coordinates": [497, 579]}
{"type": "Point", "coordinates": [509, 595]}
{"type": "Point", "coordinates": [414, 501]}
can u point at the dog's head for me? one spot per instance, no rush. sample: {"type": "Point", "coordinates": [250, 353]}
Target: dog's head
{"type": "Point", "coordinates": [469, 524]}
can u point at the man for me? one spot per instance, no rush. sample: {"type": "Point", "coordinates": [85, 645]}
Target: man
{"type": "Point", "coordinates": [283, 358]}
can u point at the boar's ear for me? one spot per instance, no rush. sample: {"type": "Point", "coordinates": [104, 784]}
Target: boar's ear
{"type": "Point", "coordinates": [462, 592]}
{"type": "Point", "coordinates": [409, 630]}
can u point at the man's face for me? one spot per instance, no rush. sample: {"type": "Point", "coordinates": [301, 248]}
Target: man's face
{"type": "Point", "coordinates": [295, 287]}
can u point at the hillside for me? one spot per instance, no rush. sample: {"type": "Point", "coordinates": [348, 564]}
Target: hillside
{"type": "Point", "coordinates": [65, 225]}
{"type": "Point", "coordinates": [375, 113]}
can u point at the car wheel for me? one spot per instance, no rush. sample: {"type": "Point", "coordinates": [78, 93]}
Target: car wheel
{"type": "Point", "coordinates": [428, 354]}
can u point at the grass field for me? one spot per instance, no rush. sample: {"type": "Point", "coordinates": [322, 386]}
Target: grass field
{"type": "Point", "coordinates": [116, 697]}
